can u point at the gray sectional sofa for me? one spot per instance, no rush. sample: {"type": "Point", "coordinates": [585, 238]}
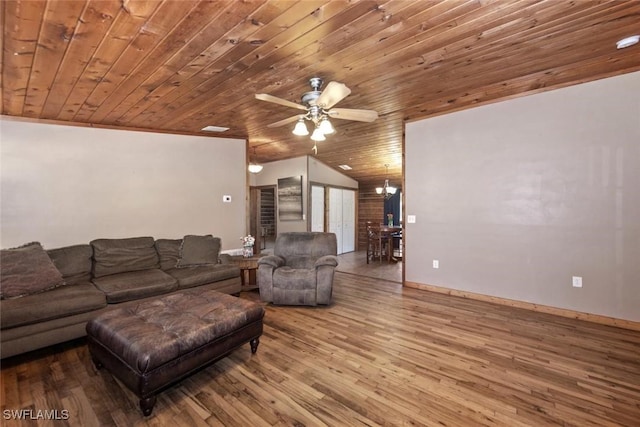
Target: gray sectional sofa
{"type": "Point", "coordinates": [47, 297]}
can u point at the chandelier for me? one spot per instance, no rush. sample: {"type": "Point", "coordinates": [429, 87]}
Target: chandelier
{"type": "Point", "coordinates": [386, 190]}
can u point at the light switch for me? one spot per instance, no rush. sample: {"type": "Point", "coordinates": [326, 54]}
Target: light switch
{"type": "Point", "coordinates": [411, 219]}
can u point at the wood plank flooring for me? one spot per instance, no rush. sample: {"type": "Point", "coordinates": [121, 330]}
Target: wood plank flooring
{"type": "Point", "coordinates": [356, 263]}
{"type": "Point", "coordinates": [379, 355]}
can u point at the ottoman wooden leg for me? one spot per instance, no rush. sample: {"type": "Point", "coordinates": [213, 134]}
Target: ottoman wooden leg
{"type": "Point", "coordinates": [147, 405]}
{"type": "Point", "coordinates": [96, 363]}
{"type": "Point", "coordinates": [254, 345]}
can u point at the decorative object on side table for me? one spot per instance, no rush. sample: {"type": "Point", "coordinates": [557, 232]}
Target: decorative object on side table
{"type": "Point", "coordinates": [247, 245]}
{"type": "Point", "coordinates": [390, 219]}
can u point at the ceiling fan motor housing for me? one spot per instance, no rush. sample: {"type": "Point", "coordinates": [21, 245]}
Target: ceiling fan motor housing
{"type": "Point", "coordinates": [309, 98]}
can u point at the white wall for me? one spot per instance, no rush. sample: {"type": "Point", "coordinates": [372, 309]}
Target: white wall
{"type": "Point", "coordinates": [319, 173]}
{"type": "Point", "coordinates": [64, 185]}
{"type": "Point", "coordinates": [517, 197]}
{"type": "Point", "coordinates": [311, 170]}
{"type": "Point", "coordinates": [270, 174]}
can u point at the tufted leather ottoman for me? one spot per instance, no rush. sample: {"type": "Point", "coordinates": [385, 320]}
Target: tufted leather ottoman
{"type": "Point", "coordinates": [153, 344]}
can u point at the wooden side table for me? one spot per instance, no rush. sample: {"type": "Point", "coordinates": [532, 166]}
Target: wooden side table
{"type": "Point", "coordinates": [249, 267]}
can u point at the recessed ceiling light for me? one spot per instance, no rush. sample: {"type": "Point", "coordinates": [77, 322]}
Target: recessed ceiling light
{"type": "Point", "coordinates": [345, 167]}
{"type": "Point", "coordinates": [214, 129]}
{"type": "Point", "coordinates": [627, 41]}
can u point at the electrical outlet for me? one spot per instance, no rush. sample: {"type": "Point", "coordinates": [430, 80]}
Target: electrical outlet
{"type": "Point", "coordinates": [436, 263]}
{"type": "Point", "coordinates": [576, 281]}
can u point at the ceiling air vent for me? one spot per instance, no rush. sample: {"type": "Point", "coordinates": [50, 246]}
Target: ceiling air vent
{"type": "Point", "coordinates": [214, 129]}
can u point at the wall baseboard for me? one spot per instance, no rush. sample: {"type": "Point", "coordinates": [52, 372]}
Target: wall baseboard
{"type": "Point", "coordinates": [563, 312]}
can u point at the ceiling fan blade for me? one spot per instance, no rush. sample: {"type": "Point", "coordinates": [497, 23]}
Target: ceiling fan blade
{"type": "Point", "coordinates": [332, 94]}
{"type": "Point", "coordinates": [353, 114]}
{"type": "Point", "coordinates": [286, 121]}
{"type": "Point", "coordinates": [276, 100]}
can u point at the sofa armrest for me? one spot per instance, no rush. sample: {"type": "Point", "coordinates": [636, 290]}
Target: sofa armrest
{"type": "Point", "coordinates": [266, 266]}
{"type": "Point", "coordinates": [225, 259]}
{"type": "Point", "coordinates": [330, 260]}
{"type": "Point", "coordinates": [271, 260]}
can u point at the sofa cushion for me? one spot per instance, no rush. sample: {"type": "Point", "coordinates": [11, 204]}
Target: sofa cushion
{"type": "Point", "coordinates": [301, 261]}
{"type": "Point", "coordinates": [302, 243]}
{"type": "Point", "coordinates": [74, 262]}
{"type": "Point", "coordinates": [135, 285]}
{"type": "Point", "coordinates": [294, 278]}
{"type": "Point", "coordinates": [59, 302]}
{"type": "Point", "coordinates": [169, 252]}
{"type": "Point", "coordinates": [113, 256]}
{"type": "Point", "coordinates": [204, 274]}
{"type": "Point", "coordinates": [199, 250]}
{"type": "Point", "coordinates": [27, 270]}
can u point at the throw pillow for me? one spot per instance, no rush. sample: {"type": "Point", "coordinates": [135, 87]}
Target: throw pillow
{"type": "Point", "coordinates": [27, 270]}
{"type": "Point", "coordinates": [113, 256]}
{"type": "Point", "coordinates": [73, 262]}
{"type": "Point", "coordinates": [199, 250]}
{"type": "Point", "coordinates": [169, 251]}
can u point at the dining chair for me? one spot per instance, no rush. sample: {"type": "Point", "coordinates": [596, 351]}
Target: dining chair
{"type": "Point", "coordinates": [376, 242]}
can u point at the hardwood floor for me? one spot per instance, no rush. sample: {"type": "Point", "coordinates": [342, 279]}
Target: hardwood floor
{"type": "Point", "coordinates": [356, 263]}
{"type": "Point", "coordinates": [379, 355]}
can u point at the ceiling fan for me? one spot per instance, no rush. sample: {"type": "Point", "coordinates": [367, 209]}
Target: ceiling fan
{"type": "Point", "coordinates": [317, 106]}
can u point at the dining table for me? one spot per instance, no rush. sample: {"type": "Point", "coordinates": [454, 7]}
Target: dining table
{"type": "Point", "coordinates": [390, 232]}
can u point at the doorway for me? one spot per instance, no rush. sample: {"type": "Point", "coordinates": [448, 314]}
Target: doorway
{"type": "Point", "coordinates": [342, 218]}
{"type": "Point", "coordinates": [317, 208]}
{"type": "Point", "coordinates": [262, 224]}
{"type": "Point", "coordinates": [333, 210]}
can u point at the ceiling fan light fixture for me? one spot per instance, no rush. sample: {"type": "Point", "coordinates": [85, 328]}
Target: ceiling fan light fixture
{"type": "Point", "coordinates": [317, 135]}
{"type": "Point", "coordinates": [300, 129]}
{"type": "Point", "coordinates": [326, 127]}
{"type": "Point", "coordinates": [318, 106]}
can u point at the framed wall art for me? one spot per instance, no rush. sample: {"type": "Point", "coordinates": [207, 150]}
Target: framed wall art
{"type": "Point", "coordinates": [290, 198]}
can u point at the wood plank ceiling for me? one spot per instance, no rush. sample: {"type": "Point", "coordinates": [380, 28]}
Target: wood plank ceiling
{"type": "Point", "coordinates": [177, 66]}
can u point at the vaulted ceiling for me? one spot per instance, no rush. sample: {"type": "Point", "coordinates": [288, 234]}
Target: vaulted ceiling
{"type": "Point", "coordinates": [177, 66]}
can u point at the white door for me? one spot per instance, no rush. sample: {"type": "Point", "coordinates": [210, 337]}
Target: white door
{"type": "Point", "coordinates": [335, 215]}
{"type": "Point", "coordinates": [342, 218]}
{"type": "Point", "coordinates": [348, 220]}
{"type": "Point", "coordinates": [317, 208]}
